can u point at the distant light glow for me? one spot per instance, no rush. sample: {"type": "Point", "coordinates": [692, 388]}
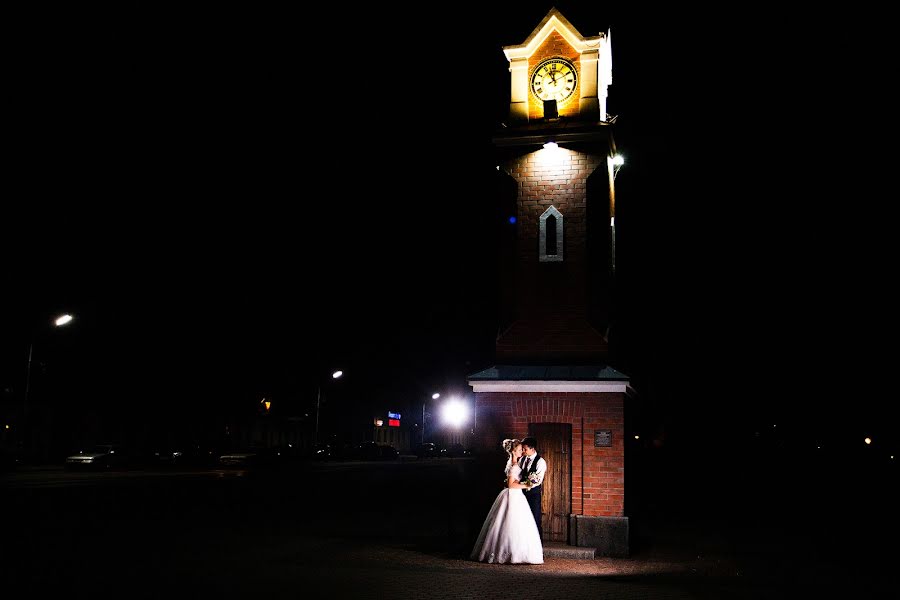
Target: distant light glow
{"type": "Point", "coordinates": [435, 396]}
{"type": "Point", "coordinates": [379, 423]}
{"type": "Point", "coordinates": [455, 413]}
{"type": "Point", "coordinates": [63, 320]}
{"type": "Point", "coordinates": [618, 160]}
{"type": "Point", "coordinates": [6, 426]}
{"type": "Point", "coordinates": [512, 220]}
{"type": "Point", "coordinates": [268, 404]}
{"type": "Point", "coordinates": [637, 437]}
{"type": "Point", "coordinates": [868, 440]}
{"type": "Point", "coordinates": [336, 374]}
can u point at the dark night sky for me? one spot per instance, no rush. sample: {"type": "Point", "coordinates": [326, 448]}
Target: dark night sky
{"type": "Point", "coordinates": [199, 187]}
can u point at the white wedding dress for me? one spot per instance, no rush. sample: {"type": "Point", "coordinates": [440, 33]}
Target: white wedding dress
{"type": "Point", "coordinates": [509, 533]}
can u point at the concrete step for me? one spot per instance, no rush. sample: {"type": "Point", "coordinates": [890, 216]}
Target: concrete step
{"type": "Point", "coordinates": [563, 550]}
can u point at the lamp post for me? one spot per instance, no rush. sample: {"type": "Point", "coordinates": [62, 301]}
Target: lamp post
{"type": "Point", "coordinates": [614, 162]}
{"type": "Point", "coordinates": [60, 321]}
{"type": "Point", "coordinates": [334, 375]}
{"type": "Point", "coordinates": [434, 396]}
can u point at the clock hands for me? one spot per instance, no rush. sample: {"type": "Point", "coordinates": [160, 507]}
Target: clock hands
{"type": "Point", "coordinates": [554, 78]}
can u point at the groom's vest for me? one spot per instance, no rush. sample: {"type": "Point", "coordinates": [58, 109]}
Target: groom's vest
{"type": "Point", "coordinates": [531, 469]}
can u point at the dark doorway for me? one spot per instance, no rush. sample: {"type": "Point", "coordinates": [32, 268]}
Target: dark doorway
{"type": "Point", "coordinates": [555, 445]}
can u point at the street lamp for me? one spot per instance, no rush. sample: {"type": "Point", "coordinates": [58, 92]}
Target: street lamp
{"type": "Point", "coordinates": [60, 321]}
{"type": "Point", "coordinates": [617, 161]}
{"type": "Point", "coordinates": [455, 413]}
{"type": "Point", "coordinates": [434, 396]}
{"type": "Point", "coordinates": [335, 375]}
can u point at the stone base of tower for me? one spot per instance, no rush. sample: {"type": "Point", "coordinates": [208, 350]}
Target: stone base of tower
{"type": "Point", "coordinates": [609, 535]}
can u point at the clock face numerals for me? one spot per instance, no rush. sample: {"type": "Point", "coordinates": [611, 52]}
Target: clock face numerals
{"type": "Point", "coordinates": [554, 79]}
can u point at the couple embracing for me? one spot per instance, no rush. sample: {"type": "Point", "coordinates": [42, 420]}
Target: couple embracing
{"type": "Point", "coordinates": [512, 530]}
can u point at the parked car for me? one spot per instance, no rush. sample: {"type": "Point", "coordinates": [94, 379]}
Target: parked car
{"type": "Point", "coordinates": [181, 456]}
{"type": "Point", "coordinates": [426, 450]}
{"type": "Point", "coordinates": [101, 456]}
{"type": "Point", "coordinates": [455, 451]}
{"type": "Point", "coordinates": [388, 452]}
{"type": "Point", "coordinates": [324, 452]}
{"type": "Point", "coordinates": [373, 451]}
{"type": "Point", "coordinates": [250, 457]}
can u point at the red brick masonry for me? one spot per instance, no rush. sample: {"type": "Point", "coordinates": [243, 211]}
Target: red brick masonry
{"type": "Point", "coordinates": [598, 474]}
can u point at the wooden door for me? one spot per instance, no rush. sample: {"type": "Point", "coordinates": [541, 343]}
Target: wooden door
{"type": "Point", "coordinates": [555, 445]}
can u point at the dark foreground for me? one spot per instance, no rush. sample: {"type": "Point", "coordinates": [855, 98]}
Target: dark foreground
{"type": "Point", "coordinates": [403, 530]}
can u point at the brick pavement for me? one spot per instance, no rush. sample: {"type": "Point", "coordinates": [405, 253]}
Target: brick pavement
{"type": "Point", "coordinates": [360, 568]}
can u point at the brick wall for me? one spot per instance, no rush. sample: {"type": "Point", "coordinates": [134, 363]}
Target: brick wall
{"type": "Point", "coordinates": [554, 45]}
{"type": "Point", "coordinates": [598, 474]}
{"type": "Point", "coordinates": [561, 182]}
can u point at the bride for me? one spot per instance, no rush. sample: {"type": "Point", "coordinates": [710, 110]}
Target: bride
{"type": "Point", "coordinates": [509, 533]}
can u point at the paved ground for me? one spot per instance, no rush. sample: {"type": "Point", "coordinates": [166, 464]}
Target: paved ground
{"type": "Point", "coordinates": [403, 530]}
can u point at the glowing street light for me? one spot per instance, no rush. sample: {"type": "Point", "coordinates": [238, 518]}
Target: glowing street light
{"type": "Point", "coordinates": [455, 413]}
{"type": "Point", "coordinates": [60, 321]}
{"type": "Point", "coordinates": [434, 396]}
{"type": "Point", "coordinates": [335, 375]}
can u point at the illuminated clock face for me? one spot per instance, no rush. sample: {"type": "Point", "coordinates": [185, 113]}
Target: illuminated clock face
{"type": "Point", "coordinates": [554, 79]}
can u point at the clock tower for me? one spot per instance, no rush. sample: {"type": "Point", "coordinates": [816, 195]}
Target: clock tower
{"type": "Point", "coordinates": [556, 164]}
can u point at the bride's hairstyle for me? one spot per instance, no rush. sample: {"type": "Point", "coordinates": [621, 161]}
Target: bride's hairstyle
{"type": "Point", "coordinates": [510, 445]}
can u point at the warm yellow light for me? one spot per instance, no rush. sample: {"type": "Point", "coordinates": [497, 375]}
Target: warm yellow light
{"type": "Point", "coordinates": [552, 159]}
{"type": "Point", "coordinates": [637, 437]}
{"type": "Point", "coordinates": [868, 440]}
{"type": "Point", "coordinates": [336, 374]}
{"type": "Point", "coordinates": [6, 426]}
{"type": "Point", "coordinates": [63, 320]}
{"type": "Point", "coordinates": [268, 404]}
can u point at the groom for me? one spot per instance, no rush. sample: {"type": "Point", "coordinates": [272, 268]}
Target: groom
{"type": "Point", "coordinates": [531, 463]}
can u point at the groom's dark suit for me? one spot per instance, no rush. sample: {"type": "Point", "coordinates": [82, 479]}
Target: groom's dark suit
{"type": "Point", "coordinates": [534, 494]}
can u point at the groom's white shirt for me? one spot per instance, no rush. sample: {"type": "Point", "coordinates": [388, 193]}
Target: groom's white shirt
{"type": "Point", "coordinates": [539, 470]}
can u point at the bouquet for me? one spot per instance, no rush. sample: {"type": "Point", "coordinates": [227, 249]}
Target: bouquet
{"type": "Point", "coordinates": [533, 479]}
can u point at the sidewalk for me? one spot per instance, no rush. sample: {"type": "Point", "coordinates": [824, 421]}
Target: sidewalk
{"type": "Point", "coordinates": [339, 568]}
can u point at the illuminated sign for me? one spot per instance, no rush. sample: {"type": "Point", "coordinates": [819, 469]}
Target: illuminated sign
{"type": "Point", "coordinates": [393, 415]}
{"type": "Point", "coordinates": [393, 422]}
{"type": "Point", "coordinates": [379, 423]}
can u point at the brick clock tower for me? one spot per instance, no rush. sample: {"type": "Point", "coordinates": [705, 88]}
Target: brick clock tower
{"type": "Point", "coordinates": [556, 161]}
